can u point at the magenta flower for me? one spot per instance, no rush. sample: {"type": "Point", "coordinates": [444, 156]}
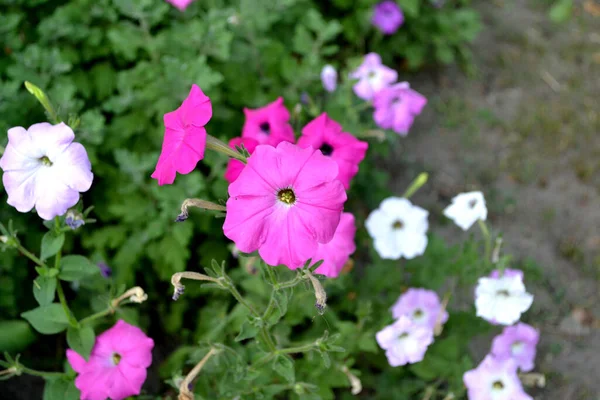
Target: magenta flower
{"type": "Point", "coordinates": [422, 306]}
{"type": "Point", "coordinates": [325, 134]}
{"type": "Point", "coordinates": [181, 4]}
{"type": "Point", "coordinates": [235, 167]}
{"type": "Point", "coordinates": [117, 365]}
{"type": "Point", "coordinates": [45, 169]}
{"type": "Point", "coordinates": [269, 124]}
{"type": "Point", "coordinates": [494, 379]}
{"type": "Point", "coordinates": [337, 252]}
{"type": "Point", "coordinates": [185, 137]}
{"type": "Point", "coordinates": [404, 342]}
{"type": "Point", "coordinates": [397, 106]}
{"type": "Point", "coordinates": [387, 17]}
{"type": "Point", "coordinates": [372, 76]}
{"type": "Point", "coordinates": [517, 342]}
{"type": "Point", "coordinates": [285, 202]}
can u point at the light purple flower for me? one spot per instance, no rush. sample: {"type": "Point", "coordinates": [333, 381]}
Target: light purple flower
{"type": "Point", "coordinates": [422, 306]}
{"type": "Point", "coordinates": [387, 17]}
{"type": "Point", "coordinates": [372, 76]}
{"type": "Point", "coordinates": [45, 169]}
{"type": "Point", "coordinates": [494, 379]}
{"type": "Point", "coordinates": [105, 270]}
{"type": "Point", "coordinates": [74, 219]}
{"type": "Point", "coordinates": [397, 106]}
{"type": "Point", "coordinates": [329, 78]}
{"type": "Point", "coordinates": [517, 342]}
{"type": "Point", "coordinates": [404, 342]}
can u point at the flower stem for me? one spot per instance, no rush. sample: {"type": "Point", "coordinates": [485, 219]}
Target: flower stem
{"type": "Point", "coordinates": [290, 283]}
{"type": "Point", "coordinates": [30, 255]}
{"type": "Point", "coordinates": [96, 316]}
{"type": "Point", "coordinates": [297, 349]}
{"type": "Point", "coordinates": [217, 145]}
{"type": "Point", "coordinates": [43, 374]}
{"type": "Point", "coordinates": [488, 239]}
{"type": "Point", "coordinates": [416, 185]}
{"type": "Point", "coordinates": [63, 302]}
{"type": "Point", "coordinates": [184, 391]}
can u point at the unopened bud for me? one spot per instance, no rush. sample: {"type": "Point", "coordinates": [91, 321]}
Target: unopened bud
{"type": "Point", "coordinates": [74, 219]}
{"type": "Point", "coordinates": [355, 383]}
{"type": "Point", "coordinates": [4, 239]}
{"type": "Point", "coordinates": [320, 294]}
{"type": "Point", "coordinates": [136, 295]}
{"type": "Point", "coordinates": [198, 203]}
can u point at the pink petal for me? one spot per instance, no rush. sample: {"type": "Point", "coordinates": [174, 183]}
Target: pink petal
{"type": "Point", "coordinates": [337, 252]}
{"type": "Point", "coordinates": [20, 186]}
{"type": "Point", "coordinates": [53, 197]}
{"type": "Point", "coordinates": [235, 167]}
{"type": "Point", "coordinates": [76, 361]}
{"type": "Point", "coordinates": [51, 140]}
{"type": "Point", "coordinates": [127, 381]}
{"type": "Point", "coordinates": [75, 168]}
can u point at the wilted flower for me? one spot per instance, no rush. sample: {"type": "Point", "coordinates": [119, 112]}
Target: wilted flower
{"type": "Point", "coordinates": [519, 343]}
{"type": "Point", "coordinates": [466, 209]}
{"type": "Point", "coordinates": [387, 17]}
{"type": "Point", "coordinates": [397, 106]}
{"type": "Point", "coordinates": [501, 299]}
{"type": "Point", "coordinates": [269, 124]}
{"type": "Point", "coordinates": [404, 342]}
{"type": "Point", "coordinates": [337, 251]}
{"type": "Point", "coordinates": [398, 228]}
{"type": "Point", "coordinates": [185, 137]}
{"type": "Point", "coordinates": [181, 4]}
{"type": "Point", "coordinates": [117, 365]}
{"type": "Point", "coordinates": [325, 134]}
{"type": "Point", "coordinates": [372, 76]}
{"type": "Point", "coordinates": [235, 167]}
{"type": "Point", "coordinates": [329, 78]}
{"type": "Point", "coordinates": [45, 169]}
{"type": "Point", "coordinates": [422, 306]}
{"type": "Point", "coordinates": [494, 379]}
{"type": "Point", "coordinates": [74, 219]}
{"type": "Point", "coordinates": [285, 202]}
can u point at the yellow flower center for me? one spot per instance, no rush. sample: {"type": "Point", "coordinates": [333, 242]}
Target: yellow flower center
{"type": "Point", "coordinates": [287, 196]}
{"type": "Point", "coordinates": [116, 358]}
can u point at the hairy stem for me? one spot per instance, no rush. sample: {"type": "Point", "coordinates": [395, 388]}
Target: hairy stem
{"type": "Point", "coordinates": [63, 302]}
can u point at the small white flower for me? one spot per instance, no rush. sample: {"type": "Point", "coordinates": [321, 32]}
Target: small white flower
{"type": "Point", "coordinates": [398, 228]}
{"type": "Point", "coordinates": [502, 299]}
{"type": "Point", "coordinates": [466, 209]}
{"type": "Point", "coordinates": [329, 78]}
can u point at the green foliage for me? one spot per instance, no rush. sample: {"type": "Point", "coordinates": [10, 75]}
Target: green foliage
{"type": "Point", "coordinates": [48, 319]}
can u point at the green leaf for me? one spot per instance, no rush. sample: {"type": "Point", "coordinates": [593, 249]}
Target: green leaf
{"type": "Point", "coordinates": [73, 268]}
{"type": "Point", "coordinates": [561, 11]}
{"type": "Point", "coordinates": [48, 319]}
{"type": "Point", "coordinates": [410, 7]}
{"type": "Point", "coordinates": [60, 389]}
{"type": "Point", "coordinates": [44, 288]}
{"type": "Point", "coordinates": [284, 366]}
{"type": "Point", "coordinates": [15, 335]}
{"type": "Point", "coordinates": [247, 331]}
{"type": "Point", "coordinates": [81, 340]}
{"type": "Point", "coordinates": [51, 244]}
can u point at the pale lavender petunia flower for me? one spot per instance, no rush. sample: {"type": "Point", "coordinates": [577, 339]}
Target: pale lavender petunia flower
{"type": "Point", "coordinates": [45, 169]}
{"type": "Point", "coordinates": [494, 379]}
{"type": "Point", "coordinates": [329, 78]}
{"type": "Point", "coordinates": [387, 17]}
{"type": "Point", "coordinates": [422, 306]}
{"type": "Point", "coordinates": [517, 342]}
{"type": "Point", "coordinates": [397, 106]}
{"type": "Point", "coordinates": [372, 76]}
{"type": "Point", "coordinates": [404, 342]}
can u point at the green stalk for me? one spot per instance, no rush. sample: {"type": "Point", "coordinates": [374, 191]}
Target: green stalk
{"type": "Point", "coordinates": [488, 239]}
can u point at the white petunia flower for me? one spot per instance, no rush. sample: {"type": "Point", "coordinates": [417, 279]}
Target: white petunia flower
{"type": "Point", "coordinates": [329, 78]}
{"type": "Point", "coordinates": [466, 209]}
{"type": "Point", "coordinates": [501, 299]}
{"type": "Point", "coordinates": [398, 229]}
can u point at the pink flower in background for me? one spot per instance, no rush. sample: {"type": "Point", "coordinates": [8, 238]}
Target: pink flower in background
{"type": "Point", "coordinates": [397, 106]}
{"type": "Point", "coordinates": [117, 365]}
{"type": "Point", "coordinates": [325, 134]}
{"type": "Point", "coordinates": [519, 343]}
{"type": "Point", "coordinates": [269, 124]}
{"type": "Point", "coordinates": [387, 17]}
{"type": "Point", "coordinates": [285, 202]}
{"type": "Point", "coordinates": [235, 167]}
{"type": "Point", "coordinates": [329, 78]}
{"type": "Point", "coordinates": [45, 169]}
{"type": "Point", "coordinates": [337, 252]}
{"type": "Point", "coordinates": [422, 306]}
{"type": "Point", "coordinates": [372, 76]}
{"type": "Point", "coordinates": [494, 379]}
{"type": "Point", "coordinates": [185, 137]}
{"type": "Point", "coordinates": [181, 4]}
{"type": "Point", "coordinates": [404, 342]}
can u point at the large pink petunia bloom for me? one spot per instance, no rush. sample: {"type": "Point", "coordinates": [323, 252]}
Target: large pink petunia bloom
{"type": "Point", "coordinates": [397, 106]}
{"type": "Point", "coordinates": [180, 4]}
{"type": "Point", "coordinates": [285, 202]}
{"type": "Point", "coordinates": [235, 167]}
{"type": "Point", "coordinates": [45, 169]}
{"type": "Point", "coordinates": [337, 252]}
{"type": "Point", "coordinates": [372, 76]}
{"type": "Point", "coordinates": [325, 134]}
{"type": "Point", "coordinates": [185, 137]}
{"type": "Point", "coordinates": [269, 124]}
{"type": "Point", "coordinates": [387, 17]}
{"type": "Point", "coordinates": [117, 365]}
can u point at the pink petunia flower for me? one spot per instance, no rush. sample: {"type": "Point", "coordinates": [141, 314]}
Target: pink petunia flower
{"type": "Point", "coordinates": [285, 202]}
{"type": "Point", "coordinates": [45, 169]}
{"type": "Point", "coordinates": [337, 252]}
{"type": "Point", "coordinates": [117, 365]}
{"type": "Point", "coordinates": [422, 306]}
{"type": "Point", "coordinates": [235, 167]}
{"type": "Point", "coordinates": [494, 379]}
{"type": "Point", "coordinates": [180, 4]}
{"type": "Point", "coordinates": [519, 343]}
{"type": "Point", "coordinates": [372, 76]}
{"type": "Point", "coordinates": [325, 134]}
{"type": "Point", "coordinates": [387, 17]}
{"type": "Point", "coordinates": [185, 137]}
{"type": "Point", "coordinates": [269, 124]}
{"type": "Point", "coordinates": [404, 342]}
{"type": "Point", "coordinates": [397, 106]}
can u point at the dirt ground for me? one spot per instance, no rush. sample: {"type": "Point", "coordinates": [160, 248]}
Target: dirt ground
{"type": "Point", "coordinates": [525, 129]}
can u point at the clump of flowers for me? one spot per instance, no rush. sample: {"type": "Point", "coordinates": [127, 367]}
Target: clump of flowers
{"type": "Point", "coordinates": [466, 209]}
{"type": "Point", "coordinates": [269, 124]}
{"type": "Point", "coordinates": [387, 17]}
{"type": "Point", "coordinates": [396, 107]}
{"type": "Point", "coordinates": [404, 341]}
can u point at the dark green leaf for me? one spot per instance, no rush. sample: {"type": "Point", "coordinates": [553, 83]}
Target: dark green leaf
{"type": "Point", "coordinates": [48, 319]}
{"type": "Point", "coordinates": [81, 340]}
{"type": "Point", "coordinates": [247, 331]}
{"type": "Point", "coordinates": [15, 335]}
{"type": "Point", "coordinates": [51, 244]}
{"type": "Point", "coordinates": [73, 268]}
{"type": "Point", "coordinates": [60, 389]}
{"type": "Point", "coordinates": [44, 288]}
{"type": "Point", "coordinates": [284, 366]}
